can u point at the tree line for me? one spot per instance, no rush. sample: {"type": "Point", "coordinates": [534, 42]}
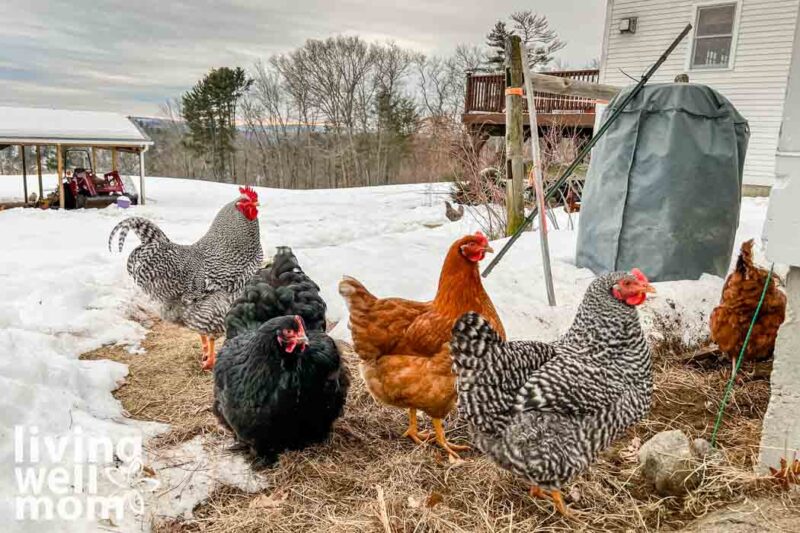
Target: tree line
{"type": "Point", "coordinates": [335, 112]}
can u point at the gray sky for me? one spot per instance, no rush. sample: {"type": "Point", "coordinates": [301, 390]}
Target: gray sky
{"type": "Point", "coordinates": [130, 56]}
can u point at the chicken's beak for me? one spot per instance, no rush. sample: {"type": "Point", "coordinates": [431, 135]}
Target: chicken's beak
{"type": "Point", "coordinates": [649, 288]}
{"type": "Point", "coordinates": [256, 203]}
{"type": "Point", "coordinates": [489, 249]}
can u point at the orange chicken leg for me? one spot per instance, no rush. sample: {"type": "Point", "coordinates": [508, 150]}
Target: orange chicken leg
{"type": "Point", "coordinates": [450, 448]}
{"type": "Point", "coordinates": [210, 356]}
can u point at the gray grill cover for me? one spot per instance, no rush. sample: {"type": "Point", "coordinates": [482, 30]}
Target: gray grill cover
{"type": "Point", "coordinates": [664, 185]}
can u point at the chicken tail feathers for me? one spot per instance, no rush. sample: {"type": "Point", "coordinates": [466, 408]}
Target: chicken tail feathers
{"type": "Point", "coordinates": [354, 293]}
{"type": "Point", "coordinates": [146, 230]}
{"type": "Point", "coordinates": [278, 290]}
{"type": "Point", "coordinates": [745, 259]}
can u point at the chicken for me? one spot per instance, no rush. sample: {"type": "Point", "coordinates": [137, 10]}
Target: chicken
{"type": "Point", "coordinates": [196, 283]}
{"type": "Point", "coordinates": [453, 215]}
{"type": "Point", "coordinates": [280, 289]}
{"type": "Point", "coordinates": [731, 319]}
{"type": "Point", "coordinates": [279, 388]}
{"type": "Point", "coordinates": [404, 345]}
{"type": "Point", "coordinates": [545, 410]}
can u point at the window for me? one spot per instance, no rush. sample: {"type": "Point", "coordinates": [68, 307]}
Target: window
{"type": "Point", "coordinates": [713, 38]}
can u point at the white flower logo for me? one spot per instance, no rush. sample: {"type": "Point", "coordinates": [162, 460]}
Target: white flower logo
{"type": "Point", "coordinates": [134, 481]}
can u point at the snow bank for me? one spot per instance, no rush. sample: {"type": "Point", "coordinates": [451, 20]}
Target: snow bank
{"type": "Point", "coordinates": [64, 293]}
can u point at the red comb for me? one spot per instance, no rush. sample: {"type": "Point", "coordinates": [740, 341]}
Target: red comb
{"type": "Point", "coordinates": [249, 192]}
{"type": "Point", "coordinates": [639, 275]}
{"type": "Point", "coordinates": [481, 237]}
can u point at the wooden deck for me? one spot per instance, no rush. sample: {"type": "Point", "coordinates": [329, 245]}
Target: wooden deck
{"type": "Point", "coordinates": [484, 108]}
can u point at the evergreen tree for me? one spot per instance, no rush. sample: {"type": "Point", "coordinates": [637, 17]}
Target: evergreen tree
{"type": "Point", "coordinates": [496, 41]}
{"type": "Point", "coordinates": [209, 110]}
{"type": "Point", "coordinates": [534, 30]}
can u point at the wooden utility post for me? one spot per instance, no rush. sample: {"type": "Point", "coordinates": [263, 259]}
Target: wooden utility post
{"type": "Point", "coordinates": [515, 166]}
{"type": "Point", "coordinates": [60, 166]}
{"type": "Point", "coordinates": [24, 173]}
{"type": "Point", "coordinates": [39, 171]}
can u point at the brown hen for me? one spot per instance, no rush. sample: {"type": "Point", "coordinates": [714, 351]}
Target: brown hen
{"type": "Point", "coordinates": [731, 319]}
{"type": "Point", "coordinates": [404, 346]}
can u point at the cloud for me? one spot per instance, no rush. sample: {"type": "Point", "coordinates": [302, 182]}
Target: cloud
{"type": "Point", "coordinates": [130, 56]}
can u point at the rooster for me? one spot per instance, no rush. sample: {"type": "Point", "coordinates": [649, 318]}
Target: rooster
{"type": "Point", "coordinates": [196, 283]}
{"type": "Point", "coordinates": [731, 319]}
{"type": "Point", "coordinates": [545, 410]}
{"type": "Point", "coordinates": [404, 345]}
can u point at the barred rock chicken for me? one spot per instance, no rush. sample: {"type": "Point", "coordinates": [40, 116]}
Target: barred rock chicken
{"type": "Point", "coordinates": [196, 283]}
{"type": "Point", "coordinates": [404, 345]}
{"type": "Point", "coordinates": [731, 319]}
{"type": "Point", "coordinates": [545, 410]}
{"type": "Point", "coordinates": [278, 387]}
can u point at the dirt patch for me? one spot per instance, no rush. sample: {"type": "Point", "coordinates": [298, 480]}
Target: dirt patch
{"type": "Point", "coordinates": [368, 478]}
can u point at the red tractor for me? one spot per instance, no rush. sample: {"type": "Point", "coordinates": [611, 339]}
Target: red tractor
{"type": "Point", "coordinates": [84, 188]}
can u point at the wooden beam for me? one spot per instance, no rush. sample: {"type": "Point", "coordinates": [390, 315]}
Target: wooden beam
{"type": "Point", "coordinates": [114, 159]}
{"type": "Point", "coordinates": [24, 173]}
{"type": "Point", "coordinates": [558, 85]}
{"type": "Point", "coordinates": [60, 178]}
{"type": "Point", "coordinates": [94, 159]}
{"type": "Point", "coordinates": [515, 166]}
{"type": "Point", "coordinates": [39, 171]}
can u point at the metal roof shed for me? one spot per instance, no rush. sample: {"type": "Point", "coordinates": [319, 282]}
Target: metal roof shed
{"type": "Point", "coordinates": [26, 126]}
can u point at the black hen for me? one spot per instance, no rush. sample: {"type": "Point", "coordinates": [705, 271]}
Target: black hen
{"type": "Point", "coordinates": [280, 289]}
{"type": "Point", "coordinates": [279, 388]}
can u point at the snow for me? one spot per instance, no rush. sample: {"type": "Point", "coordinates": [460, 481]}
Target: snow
{"type": "Point", "coordinates": [64, 293]}
{"type": "Point", "coordinates": [66, 125]}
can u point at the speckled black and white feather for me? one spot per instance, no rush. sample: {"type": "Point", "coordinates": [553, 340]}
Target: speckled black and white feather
{"type": "Point", "coordinates": [280, 289]}
{"type": "Point", "coordinates": [544, 411]}
{"type": "Point", "coordinates": [196, 283]}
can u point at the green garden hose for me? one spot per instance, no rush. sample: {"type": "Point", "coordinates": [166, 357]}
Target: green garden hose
{"type": "Point", "coordinates": [729, 388]}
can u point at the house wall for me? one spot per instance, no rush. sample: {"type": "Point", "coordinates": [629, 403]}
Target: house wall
{"type": "Point", "coordinates": [756, 83]}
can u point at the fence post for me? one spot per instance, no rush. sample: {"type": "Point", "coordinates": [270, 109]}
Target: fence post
{"type": "Point", "coordinates": [515, 167]}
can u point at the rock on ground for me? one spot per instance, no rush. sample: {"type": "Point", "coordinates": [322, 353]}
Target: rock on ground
{"type": "Point", "coordinates": [670, 462]}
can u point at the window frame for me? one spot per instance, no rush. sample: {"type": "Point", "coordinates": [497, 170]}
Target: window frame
{"type": "Point", "coordinates": [737, 5]}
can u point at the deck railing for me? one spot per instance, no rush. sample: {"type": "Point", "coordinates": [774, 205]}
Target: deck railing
{"type": "Point", "coordinates": [486, 94]}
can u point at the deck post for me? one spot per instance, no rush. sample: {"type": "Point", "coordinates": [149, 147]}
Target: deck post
{"type": "Point", "coordinates": [538, 180]}
{"type": "Point", "coordinates": [94, 159]}
{"type": "Point", "coordinates": [114, 159]}
{"type": "Point", "coordinates": [39, 171]}
{"type": "Point", "coordinates": [515, 166]}
{"type": "Point", "coordinates": [24, 173]}
{"type": "Point", "coordinates": [141, 176]}
{"type": "Point", "coordinates": [61, 202]}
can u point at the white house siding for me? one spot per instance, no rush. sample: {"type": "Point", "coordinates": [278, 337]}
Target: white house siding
{"type": "Point", "coordinates": [756, 84]}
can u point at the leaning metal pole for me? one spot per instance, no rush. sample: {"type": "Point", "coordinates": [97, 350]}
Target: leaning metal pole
{"type": "Point", "coordinates": [538, 179]}
{"type": "Point", "coordinates": [586, 149]}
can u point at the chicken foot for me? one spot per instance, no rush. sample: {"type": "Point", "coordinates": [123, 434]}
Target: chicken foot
{"type": "Point", "coordinates": [555, 495]}
{"type": "Point", "coordinates": [450, 448]}
{"type": "Point", "coordinates": [412, 432]}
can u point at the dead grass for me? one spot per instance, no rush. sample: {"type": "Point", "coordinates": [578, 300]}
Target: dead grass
{"type": "Point", "coordinates": [367, 478]}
